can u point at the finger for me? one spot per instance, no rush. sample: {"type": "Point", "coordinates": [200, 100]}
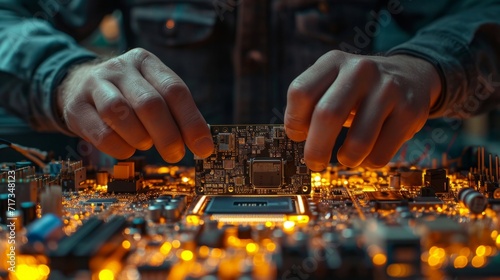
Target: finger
{"type": "Point", "coordinates": [305, 91]}
{"type": "Point", "coordinates": [390, 139]}
{"type": "Point", "coordinates": [192, 125]}
{"type": "Point", "coordinates": [92, 129]}
{"type": "Point", "coordinates": [332, 111]}
{"type": "Point", "coordinates": [116, 112]}
{"type": "Point", "coordinates": [154, 114]}
{"type": "Point", "coordinates": [364, 130]}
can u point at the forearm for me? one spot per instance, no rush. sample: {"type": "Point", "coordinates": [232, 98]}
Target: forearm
{"type": "Point", "coordinates": [35, 59]}
{"type": "Point", "coordinates": [463, 47]}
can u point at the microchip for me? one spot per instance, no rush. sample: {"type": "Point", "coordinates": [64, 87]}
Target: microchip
{"type": "Point", "coordinates": [252, 160]}
{"type": "Point", "coordinates": [226, 142]}
{"type": "Point", "coordinates": [385, 200]}
{"type": "Point", "coordinates": [228, 164]}
{"type": "Point", "coordinates": [260, 140]}
{"type": "Point", "coordinates": [250, 209]}
{"type": "Point", "coordinates": [266, 173]}
{"type": "Point", "coordinates": [248, 205]}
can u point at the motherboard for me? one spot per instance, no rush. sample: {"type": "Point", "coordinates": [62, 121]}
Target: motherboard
{"type": "Point", "coordinates": [250, 211]}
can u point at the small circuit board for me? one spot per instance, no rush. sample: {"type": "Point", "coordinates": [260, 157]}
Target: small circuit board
{"type": "Point", "coordinates": [253, 160]}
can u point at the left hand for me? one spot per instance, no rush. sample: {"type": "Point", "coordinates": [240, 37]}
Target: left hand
{"type": "Point", "coordinates": [384, 101]}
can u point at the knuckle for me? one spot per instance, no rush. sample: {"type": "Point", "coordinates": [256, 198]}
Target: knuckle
{"type": "Point", "coordinates": [139, 55]}
{"type": "Point", "coordinates": [298, 92]}
{"type": "Point", "coordinates": [173, 90]}
{"type": "Point", "coordinates": [192, 120]}
{"type": "Point", "coordinates": [108, 108]}
{"type": "Point", "coordinates": [106, 132]}
{"type": "Point", "coordinates": [336, 55]}
{"type": "Point", "coordinates": [326, 111]}
{"type": "Point", "coordinates": [294, 121]}
{"type": "Point", "coordinates": [148, 102]}
{"type": "Point", "coordinates": [365, 65]}
{"type": "Point", "coordinates": [113, 65]}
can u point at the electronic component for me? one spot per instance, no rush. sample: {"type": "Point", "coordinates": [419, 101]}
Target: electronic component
{"type": "Point", "coordinates": [385, 200]}
{"type": "Point", "coordinates": [124, 179]}
{"type": "Point", "coordinates": [48, 227]}
{"type": "Point", "coordinates": [351, 223]}
{"type": "Point", "coordinates": [29, 212]}
{"type": "Point", "coordinates": [436, 179]}
{"type": "Point", "coordinates": [253, 160]}
{"type": "Point", "coordinates": [411, 177]}
{"type": "Point", "coordinates": [473, 200]}
{"type": "Point", "coordinates": [252, 209]}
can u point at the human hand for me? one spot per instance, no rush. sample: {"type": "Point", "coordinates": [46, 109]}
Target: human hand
{"type": "Point", "coordinates": [384, 101]}
{"type": "Point", "coordinates": [132, 102]}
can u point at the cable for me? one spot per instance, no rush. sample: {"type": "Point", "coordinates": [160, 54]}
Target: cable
{"type": "Point", "coordinates": [35, 155]}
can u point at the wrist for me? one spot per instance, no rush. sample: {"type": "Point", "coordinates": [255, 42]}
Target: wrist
{"type": "Point", "coordinates": [426, 73]}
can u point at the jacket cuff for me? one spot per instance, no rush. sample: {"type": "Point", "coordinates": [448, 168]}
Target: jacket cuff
{"type": "Point", "coordinates": [47, 78]}
{"type": "Point", "coordinates": [453, 61]}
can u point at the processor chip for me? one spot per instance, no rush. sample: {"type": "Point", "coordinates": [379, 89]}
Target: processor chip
{"type": "Point", "coordinates": [253, 160]}
{"type": "Point", "coordinates": [266, 173]}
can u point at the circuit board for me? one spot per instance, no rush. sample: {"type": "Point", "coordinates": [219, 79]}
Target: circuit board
{"type": "Point", "coordinates": [68, 221]}
{"type": "Point", "coordinates": [253, 160]}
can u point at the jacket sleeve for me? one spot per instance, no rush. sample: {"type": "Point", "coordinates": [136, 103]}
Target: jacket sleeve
{"type": "Point", "coordinates": [464, 46]}
{"type": "Point", "coordinates": [35, 54]}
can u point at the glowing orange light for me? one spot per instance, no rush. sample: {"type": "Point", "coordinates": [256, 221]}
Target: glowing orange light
{"type": "Point", "coordinates": [170, 24]}
{"type": "Point", "coordinates": [399, 270]}
{"type": "Point", "coordinates": [271, 246]}
{"type": "Point", "coordinates": [106, 274]}
{"type": "Point", "coordinates": [176, 244]}
{"type": "Point", "coordinates": [480, 250]}
{"type": "Point", "coordinates": [477, 261]}
{"type": "Point", "coordinates": [460, 262]}
{"type": "Point", "coordinates": [43, 270]}
{"type": "Point", "coordinates": [126, 244]}
{"type": "Point", "coordinates": [379, 259]}
{"type": "Point", "coordinates": [252, 248]}
{"type": "Point", "coordinates": [165, 248]}
{"type": "Point", "coordinates": [186, 255]}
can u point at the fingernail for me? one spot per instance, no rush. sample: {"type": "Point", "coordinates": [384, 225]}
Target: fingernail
{"type": "Point", "coordinates": [204, 145]}
{"type": "Point", "coordinates": [347, 157]}
{"type": "Point", "coordinates": [175, 156]}
{"type": "Point", "coordinates": [316, 166]}
{"type": "Point", "coordinates": [295, 135]}
{"type": "Point", "coordinates": [145, 145]}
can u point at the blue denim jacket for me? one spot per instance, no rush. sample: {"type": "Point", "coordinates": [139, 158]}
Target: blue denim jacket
{"type": "Point", "coordinates": [238, 57]}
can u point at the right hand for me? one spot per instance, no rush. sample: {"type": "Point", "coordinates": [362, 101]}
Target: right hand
{"type": "Point", "coordinates": [132, 102]}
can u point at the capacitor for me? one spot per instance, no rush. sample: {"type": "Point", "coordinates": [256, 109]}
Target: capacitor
{"type": "Point", "coordinates": [395, 181]}
{"type": "Point", "coordinates": [155, 212]}
{"type": "Point", "coordinates": [29, 212]}
{"type": "Point", "coordinates": [102, 178]}
{"type": "Point", "coordinates": [48, 227]}
{"type": "Point", "coordinates": [473, 200]}
{"type": "Point", "coordinates": [163, 199]}
{"type": "Point", "coordinates": [176, 202]}
{"type": "Point", "coordinates": [182, 201]}
{"type": "Point", "coordinates": [171, 213]}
